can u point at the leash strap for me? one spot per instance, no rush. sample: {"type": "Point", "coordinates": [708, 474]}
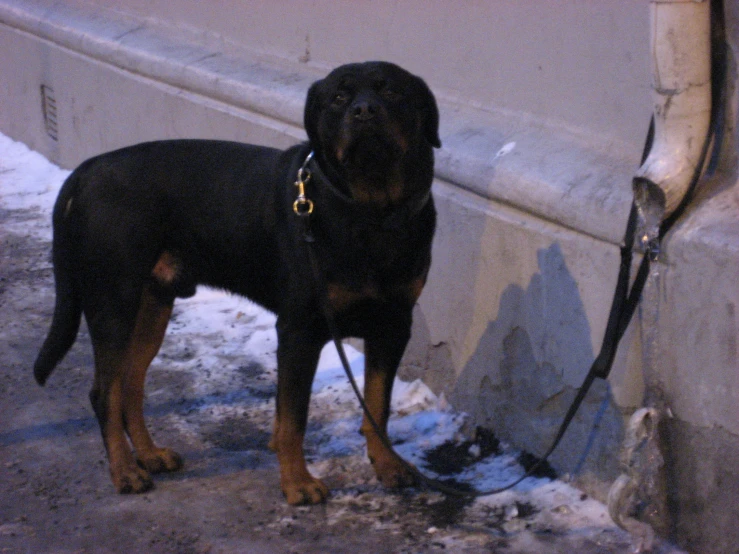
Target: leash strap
{"type": "Point", "coordinates": [625, 302]}
{"type": "Point", "coordinates": [622, 309]}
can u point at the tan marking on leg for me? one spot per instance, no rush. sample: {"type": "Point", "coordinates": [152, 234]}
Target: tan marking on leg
{"type": "Point", "coordinates": [391, 472]}
{"type": "Point", "coordinates": [275, 430]}
{"type": "Point", "coordinates": [298, 485]}
{"type": "Point", "coordinates": [378, 453]}
{"type": "Point", "coordinates": [166, 269]}
{"type": "Point", "coordinates": [148, 333]}
{"type": "Point", "coordinates": [127, 476]}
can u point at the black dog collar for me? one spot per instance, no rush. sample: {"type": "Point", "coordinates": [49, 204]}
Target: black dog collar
{"type": "Point", "coordinates": [387, 218]}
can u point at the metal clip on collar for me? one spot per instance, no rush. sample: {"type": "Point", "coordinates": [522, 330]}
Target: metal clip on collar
{"type": "Point", "coordinates": [303, 206]}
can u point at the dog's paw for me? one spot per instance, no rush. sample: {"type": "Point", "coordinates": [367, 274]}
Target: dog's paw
{"type": "Point", "coordinates": [131, 479]}
{"type": "Point", "coordinates": [392, 473]}
{"type": "Point", "coordinates": [160, 460]}
{"type": "Point", "coordinates": [307, 490]}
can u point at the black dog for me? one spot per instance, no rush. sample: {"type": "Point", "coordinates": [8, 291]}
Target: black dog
{"type": "Point", "coordinates": [136, 228]}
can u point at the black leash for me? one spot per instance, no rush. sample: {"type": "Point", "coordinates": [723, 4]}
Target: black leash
{"type": "Point", "coordinates": [622, 308]}
{"type": "Point", "coordinates": [625, 298]}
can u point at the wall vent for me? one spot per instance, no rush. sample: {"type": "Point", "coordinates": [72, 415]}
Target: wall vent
{"type": "Point", "coordinates": [48, 107]}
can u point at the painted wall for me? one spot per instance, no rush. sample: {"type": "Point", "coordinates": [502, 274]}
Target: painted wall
{"type": "Point", "coordinates": [544, 107]}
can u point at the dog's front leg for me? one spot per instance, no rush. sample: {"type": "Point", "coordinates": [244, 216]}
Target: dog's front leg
{"type": "Point", "coordinates": [383, 352]}
{"type": "Point", "coordinates": [298, 351]}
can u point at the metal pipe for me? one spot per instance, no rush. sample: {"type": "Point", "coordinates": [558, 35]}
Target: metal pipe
{"type": "Point", "coordinates": [681, 89]}
{"type": "Point", "coordinates": [680, 49]}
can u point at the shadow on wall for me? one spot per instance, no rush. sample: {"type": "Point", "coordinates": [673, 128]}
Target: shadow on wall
{"type": "Point", "coordinates": [526, 369]}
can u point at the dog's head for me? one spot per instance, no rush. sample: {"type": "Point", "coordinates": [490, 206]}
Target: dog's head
{"type": "Point", "coordinates": [373, 127]}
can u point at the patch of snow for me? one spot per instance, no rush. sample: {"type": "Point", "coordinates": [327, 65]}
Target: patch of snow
{"type": "Point", "coordinates": [29, 182]}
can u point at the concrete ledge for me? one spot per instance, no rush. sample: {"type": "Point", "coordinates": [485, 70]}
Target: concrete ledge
{"type": "Point", "coordinates": [574, 180]}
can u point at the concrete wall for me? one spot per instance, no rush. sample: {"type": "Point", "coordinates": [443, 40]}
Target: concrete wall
{"type": "Point", "coordinates": [544, 107]}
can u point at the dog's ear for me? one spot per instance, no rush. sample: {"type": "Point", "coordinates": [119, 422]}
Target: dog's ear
{"type": "Point", "coordinates": [430, 112]}
{"type": "Point", "coordinates": [312, 112]}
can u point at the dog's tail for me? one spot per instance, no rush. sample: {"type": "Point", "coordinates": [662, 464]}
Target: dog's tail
{"type": "Point", "coordinates": [68, 308]}
{"type": "Point", "coordinates": [64, 327]}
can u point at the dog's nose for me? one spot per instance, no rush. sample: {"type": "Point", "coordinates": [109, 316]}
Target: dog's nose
{"type": "Point", "coordinates": [364, 110]}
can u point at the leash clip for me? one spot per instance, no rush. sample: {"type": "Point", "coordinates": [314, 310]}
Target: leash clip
{"type": "Point", "coordinates": [303, 206]}
{"type": "Point", "coordinates": [651, 247]}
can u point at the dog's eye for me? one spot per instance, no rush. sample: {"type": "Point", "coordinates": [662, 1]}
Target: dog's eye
{"type": "Point", "coordinates": [390, 93]}
{"type": "Point", "coordinates": [340, 98]}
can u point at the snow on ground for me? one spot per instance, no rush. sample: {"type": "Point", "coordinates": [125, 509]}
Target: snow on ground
{"type": "Point", "coordinates": [214, 336]}
{"type": "Point", "coordinates": [29, 182]}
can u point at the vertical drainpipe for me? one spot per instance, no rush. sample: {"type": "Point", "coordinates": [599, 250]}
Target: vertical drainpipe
{"type": "Point", "coordinates": [680, 50]}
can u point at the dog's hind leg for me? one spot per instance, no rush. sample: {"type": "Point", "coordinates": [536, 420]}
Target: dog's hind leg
{"type": "Point", "coordinates": [146, 339]}
{"type": "Point", "coordinates": [125, 340]}
{"type": "Point", "coordinates": [107, 400]}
